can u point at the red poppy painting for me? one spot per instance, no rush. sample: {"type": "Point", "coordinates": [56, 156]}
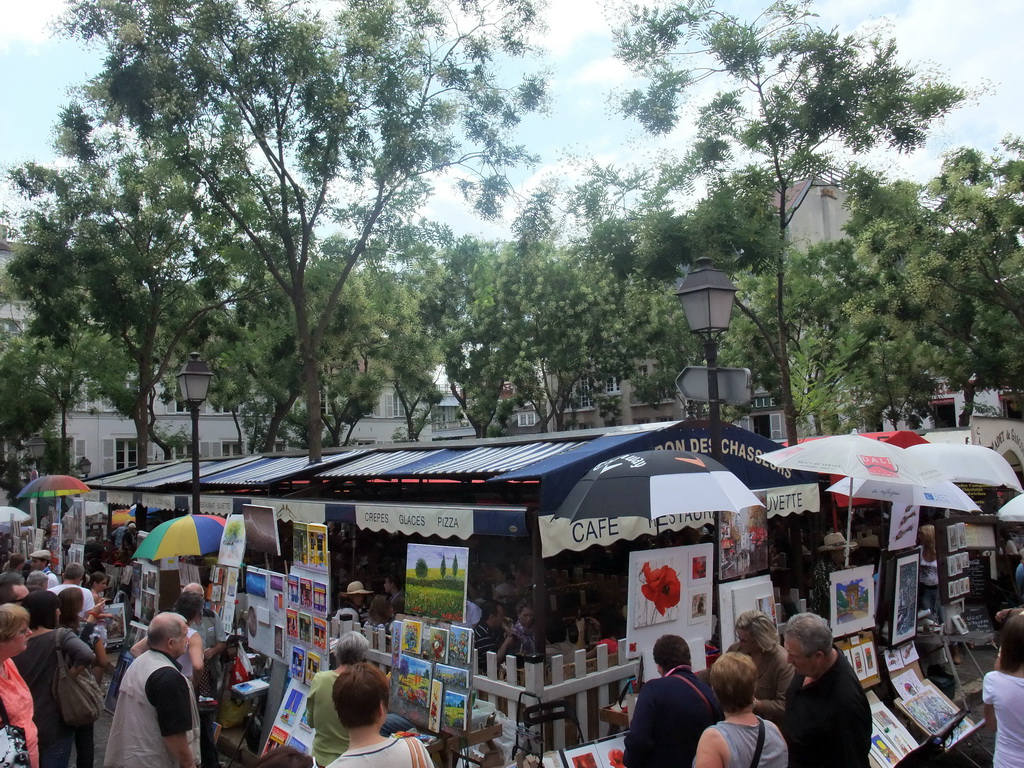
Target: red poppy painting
{"type": "Point", "coordinates": [660, 592]}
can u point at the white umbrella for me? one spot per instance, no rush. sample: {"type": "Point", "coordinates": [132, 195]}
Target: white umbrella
{"type": "Point", "coordinates": [1012, 511]}
{"type": "Point", "coordinates": [855, 456]}
{"type": "Point", "coordinates": [13, 515]}
{"type": "Point", "coordinates": [968, 463]}
{"type": "Point", "coordinates": [943, 494]}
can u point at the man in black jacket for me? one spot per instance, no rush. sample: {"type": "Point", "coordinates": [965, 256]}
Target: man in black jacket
{"type": "Point", "coordinates": [827, 713]}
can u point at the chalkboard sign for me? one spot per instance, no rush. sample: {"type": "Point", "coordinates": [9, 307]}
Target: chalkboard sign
{"type": "Point", "coordinates": [978, 574]}
{"type": "Point", "coordinates": [976, 617]}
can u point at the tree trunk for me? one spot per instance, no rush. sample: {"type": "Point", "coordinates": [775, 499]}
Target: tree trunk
{"type": "Point", "coordinates": [281, 411]}
{"type": "Point", "coordinates": [140, 417]}
{"type": "Point", "coordinates": [242, 445]}
{"type": "Point", "coordinates": [970, 389]}
{"type": "Point", "coordinates": [785, 378]}
{"type": "Point", "coordinates": [65, 462]}
{"type": "Point", "coordinates": [311, 380]}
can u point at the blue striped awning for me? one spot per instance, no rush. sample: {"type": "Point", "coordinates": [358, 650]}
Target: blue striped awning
{"type": "Point", "coordinates": [380, 462]}
{"type": "Point", "coordinates": [182, 472]}
{"type": "Point", "coordinates": [495, 460]}
{"type": "Point", "coordinates": [271, 469]}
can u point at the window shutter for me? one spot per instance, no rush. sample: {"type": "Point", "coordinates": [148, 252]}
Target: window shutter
{"type": "Point", "coordinates": [776, 425]}
{"type": "Point", "coordinates": [204, 449]}
{"type": "Point", "coordinates": [108, 455]}
{"type": "Point", "coordinates": [216, 450]}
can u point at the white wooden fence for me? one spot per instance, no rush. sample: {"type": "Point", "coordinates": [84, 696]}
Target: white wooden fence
{"type": "Point", "coordinates": [588, 685]}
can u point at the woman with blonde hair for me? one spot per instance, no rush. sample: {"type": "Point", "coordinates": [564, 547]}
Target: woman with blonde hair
{"type": "Point", "coordinates": [15, 696]}
{"type": "Point", "coordinates": [742, 739]}
{"type": "Point", "coordinates": [758, 638]}
{"type": "Point", "coordinates": [928, 573]}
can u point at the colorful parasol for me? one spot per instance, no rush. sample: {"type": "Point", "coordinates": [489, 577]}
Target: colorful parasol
{"type": "Point", "coordinates": [49, 486]}
{"type": "Point", "coordinates": [188, 535]}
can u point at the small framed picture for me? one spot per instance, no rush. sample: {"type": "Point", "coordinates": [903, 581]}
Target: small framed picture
{"type": "Point", "coordinates": [959, 624]}
{"type": "Point", "coordinates": [584, 756]}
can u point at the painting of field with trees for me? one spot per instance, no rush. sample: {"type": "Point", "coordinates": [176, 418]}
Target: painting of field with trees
{"type": "Point", "coordinates": [435, 581]}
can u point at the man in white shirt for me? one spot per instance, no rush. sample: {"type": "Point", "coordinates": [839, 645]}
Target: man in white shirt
{"type": "Point", "coordinates": [73, 575]}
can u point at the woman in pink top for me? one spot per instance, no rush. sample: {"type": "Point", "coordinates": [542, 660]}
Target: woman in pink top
{"type": "Point", "coordinates": [16, 696]}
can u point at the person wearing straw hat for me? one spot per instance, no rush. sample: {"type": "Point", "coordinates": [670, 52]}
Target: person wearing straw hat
{"type": "Point", "coordinates": [351, 603]}
{"type": "Point", "coordinates": [833, 548]}
{"type": "Point", "coordinates": [40, 561]}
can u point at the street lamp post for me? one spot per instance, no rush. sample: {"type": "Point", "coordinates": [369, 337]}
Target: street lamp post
{"type": "Point", "coordinates": [194, 383]}
{"type": "Point", "coordinates": [84, 466]}
{"type": "Point", "coordinates": [707, 296]}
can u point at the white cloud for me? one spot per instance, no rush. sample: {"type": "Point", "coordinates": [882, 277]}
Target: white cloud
{"type": "Point", "coordinates": [571, 23]}
{"type": "Point", "coordinates": [29, 22]}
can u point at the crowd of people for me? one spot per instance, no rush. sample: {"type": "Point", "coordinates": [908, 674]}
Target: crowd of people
{"type": "Point", "coordinates": [760, 704]}
{"type": "Point", "coordinates": [767, 701]}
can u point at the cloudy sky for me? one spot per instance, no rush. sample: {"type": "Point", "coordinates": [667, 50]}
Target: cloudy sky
{"type": "Point", "coordinates": [977, 48]}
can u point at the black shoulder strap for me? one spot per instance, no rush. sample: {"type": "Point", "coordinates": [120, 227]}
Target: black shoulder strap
{"type": "Point", "coordinates": [760, 743]}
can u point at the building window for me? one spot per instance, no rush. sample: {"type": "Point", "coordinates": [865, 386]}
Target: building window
{"type": "Point", "coordinates": [611, 386]}
{"type": "Point", "coordinates": [180, 406]}
{"type": "Point", "coordinates": [1011, 408]}
{"type": "Point", "coordinates": [231, 449]}
{"type": "Point", "coordinates": [584, 394]}
{"type": "Point", "coordinates": [126, 453]}
{"type": "Point", "coordinates": [642, 371]}
{"type": "Point", "coordinates": [944, 412]}
{"type": "Point", "coordinates": [393, 408]}
{"type": "Point", "coordinates": [527, 418]}
{"type": "Point", "coordinates": [182, 451]}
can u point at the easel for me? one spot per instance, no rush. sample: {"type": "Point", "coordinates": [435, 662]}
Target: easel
{"type": "Point", "coordinates": [457, 747]}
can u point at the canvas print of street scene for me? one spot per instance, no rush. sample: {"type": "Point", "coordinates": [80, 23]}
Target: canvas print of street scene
{"type": "Point", "coordinates": [743, 542]}
{"type": "Point", "coordinates": [852, 600]}
{"type": "Point", "coordinates": [435, 579]}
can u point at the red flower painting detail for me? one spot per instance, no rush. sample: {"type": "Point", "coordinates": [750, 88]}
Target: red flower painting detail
{"type": "Point", "coordinates": [661, 587]}
{"type": "Point", "coordinates": [616, 758]}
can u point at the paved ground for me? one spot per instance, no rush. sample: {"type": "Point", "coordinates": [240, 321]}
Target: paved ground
{"type": "Point", "coordinates": [977, 749]}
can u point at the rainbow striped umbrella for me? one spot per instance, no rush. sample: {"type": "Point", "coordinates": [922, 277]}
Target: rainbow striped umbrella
{"type": "Point", "coordinates": [188, 535]}
{"type": "Point", "coordinates": [49, 486]}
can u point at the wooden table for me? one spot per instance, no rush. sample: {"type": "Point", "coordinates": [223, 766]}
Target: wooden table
{"type": "Point", "coordinates": [615, 717]}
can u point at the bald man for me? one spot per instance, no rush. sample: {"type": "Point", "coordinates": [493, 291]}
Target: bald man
{"type": "Point", "coordinates": [156, 721]}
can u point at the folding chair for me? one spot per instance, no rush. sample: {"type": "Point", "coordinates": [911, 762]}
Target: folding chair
{"type": "Point", "coordinates": [532, 719]}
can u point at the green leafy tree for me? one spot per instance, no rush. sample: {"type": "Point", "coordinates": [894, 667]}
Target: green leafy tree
{"type": "Point", "coordinates": [795, 102]}
{"type": "Point", "coordinates": [444, 567]}
{"type": "Point", "coordinates": [475, 348]}
{"type": "Point", "coordinates": [421, 568]}
{"type": "Point", "coordinates": [946, 258]}
{"type": "Point", "coordinates": [117, 240]}
{"type": "Point", "coordinates": [289, 118]}
{"type": "Point", "coordinates": [455, 566]}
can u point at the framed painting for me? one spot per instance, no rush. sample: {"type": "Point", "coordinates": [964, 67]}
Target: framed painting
{"type": "Point", "coordinates": [656, 587]}
{"type": "Point", "coordinates": [435, 581]}
{"type": "Point", "coordinates": [611, 752]}
{"type": "Point", "coordinates": [852, 600]}
{"type": "Point", "coordinates": [904, 613]}
{"type": "Point", "coordinates": [584, 756]}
